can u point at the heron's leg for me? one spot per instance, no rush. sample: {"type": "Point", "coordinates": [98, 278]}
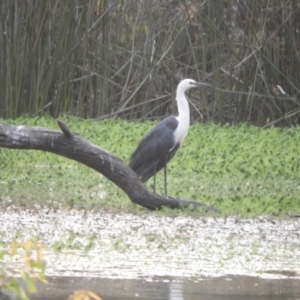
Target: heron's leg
{"type": "Point", "coordinates": [154, 180]}
{"type": "Point", "coordinates": [165, 175]}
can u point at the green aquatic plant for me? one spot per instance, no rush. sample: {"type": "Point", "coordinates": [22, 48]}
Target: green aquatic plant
{"type": "Point", "coordinates": [240, 170]}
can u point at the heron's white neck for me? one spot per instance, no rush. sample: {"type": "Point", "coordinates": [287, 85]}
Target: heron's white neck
{"type": "Point", "coordinates": [183, 116]}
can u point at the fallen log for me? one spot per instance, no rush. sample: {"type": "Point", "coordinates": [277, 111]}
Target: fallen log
{"type": "Point", "coordinates": [72, 146]}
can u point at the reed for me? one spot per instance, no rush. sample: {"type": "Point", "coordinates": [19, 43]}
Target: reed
{"type": "Point", "coordinates": [103, 59]}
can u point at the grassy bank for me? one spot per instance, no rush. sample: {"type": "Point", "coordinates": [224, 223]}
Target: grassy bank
{"type": "Point", "coordinates": [240, 170]}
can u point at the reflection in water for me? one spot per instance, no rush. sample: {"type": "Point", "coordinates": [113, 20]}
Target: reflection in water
{"type": "Point", "coordinates": [175, 291]}
{"type": "Point", "coordinates": [221, 288]}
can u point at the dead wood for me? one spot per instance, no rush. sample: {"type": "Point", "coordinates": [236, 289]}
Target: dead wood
{"type": "Point", "coordinates": [72, 146]}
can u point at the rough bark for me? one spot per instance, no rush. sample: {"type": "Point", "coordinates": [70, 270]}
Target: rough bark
{"type": "Point", "coordinates": [72, 146]}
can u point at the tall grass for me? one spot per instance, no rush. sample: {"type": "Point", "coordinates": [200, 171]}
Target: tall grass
{"type": "Point", "coordinates": [100, 59]}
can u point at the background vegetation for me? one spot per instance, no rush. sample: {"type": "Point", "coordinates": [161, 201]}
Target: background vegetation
{"type": "Point", "coordinates": [104, 58]}
{"type": "Point", "coordinates": [243, 170]}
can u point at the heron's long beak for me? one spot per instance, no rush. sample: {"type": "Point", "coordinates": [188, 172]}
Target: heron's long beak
{"type": "Point", "coordinates": [202, 84]}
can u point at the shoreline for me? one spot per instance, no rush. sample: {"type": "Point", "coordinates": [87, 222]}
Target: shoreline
{"type": "Point", "coordinates": [128, 246]}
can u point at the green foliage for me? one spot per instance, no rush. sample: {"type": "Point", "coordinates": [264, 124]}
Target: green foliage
{"type": "Point", "coordinates": [240, 170]}
{"type": "Point", "coordinates": [33, 271]}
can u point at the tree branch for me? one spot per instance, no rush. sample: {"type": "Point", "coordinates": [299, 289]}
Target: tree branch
{"type": "Point", "coordinates": [72, 146]}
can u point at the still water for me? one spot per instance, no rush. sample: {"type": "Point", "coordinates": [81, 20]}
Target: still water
{"type": "Point", "coordinates": [225, 288]}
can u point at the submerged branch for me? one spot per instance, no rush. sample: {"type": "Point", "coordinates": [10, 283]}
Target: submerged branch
{"type": "Point", "coordinates": [72, 146]}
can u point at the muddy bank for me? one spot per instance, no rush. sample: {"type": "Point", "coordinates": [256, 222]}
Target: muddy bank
{"type": "Point", "coordinates": [102, 244]}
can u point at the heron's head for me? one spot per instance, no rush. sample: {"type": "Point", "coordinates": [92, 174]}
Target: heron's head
{"type": "Point", "coordinates": [187, 84]}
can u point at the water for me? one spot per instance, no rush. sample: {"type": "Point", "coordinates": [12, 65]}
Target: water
{"type": "Point", "coordinates": [225, 288]}
{"type": "Point", "coordinates": [128, 247]}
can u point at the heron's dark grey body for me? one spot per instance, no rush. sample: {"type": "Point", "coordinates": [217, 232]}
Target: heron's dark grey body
{"type": "Point", "coordinates": [155, 150]}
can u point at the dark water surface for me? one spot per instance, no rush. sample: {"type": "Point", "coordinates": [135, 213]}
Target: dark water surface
{"type": "Point", "coordinates": [225, 288]}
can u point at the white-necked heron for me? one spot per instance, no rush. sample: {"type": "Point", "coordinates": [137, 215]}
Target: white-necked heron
{"type": "Point", "coordinates": [160, 144]}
